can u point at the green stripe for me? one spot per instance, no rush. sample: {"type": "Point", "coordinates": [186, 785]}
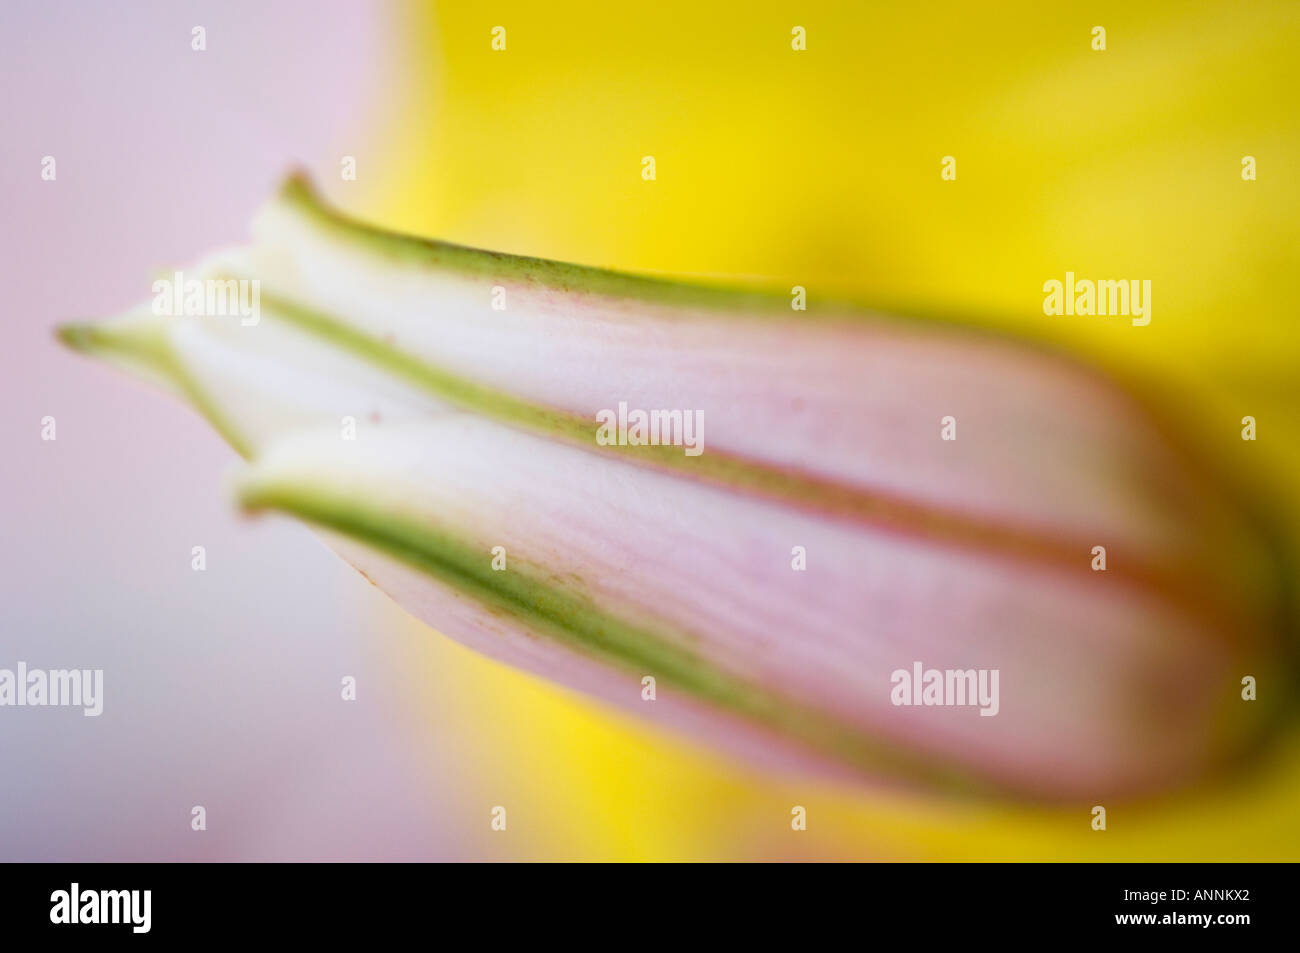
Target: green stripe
{"type": "Point", "coordinates": [298, 194]}
{"type": "Point", "coordinates": [734, 473]}
{"type": "Point", "coordinates": [570, 619]}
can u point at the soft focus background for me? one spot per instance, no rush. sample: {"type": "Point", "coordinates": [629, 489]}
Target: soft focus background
{"type": "Point", "coordinates": [819, 168]}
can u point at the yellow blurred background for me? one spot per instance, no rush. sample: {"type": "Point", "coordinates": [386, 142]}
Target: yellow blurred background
{"type": "Point", "coordinates": [821, 167]}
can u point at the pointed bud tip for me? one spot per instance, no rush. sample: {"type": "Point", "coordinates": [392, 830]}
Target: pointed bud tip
{"type": "Point", "coordinates": [76, 335]}
{"type": "Point", "coordinates": [298, 186]}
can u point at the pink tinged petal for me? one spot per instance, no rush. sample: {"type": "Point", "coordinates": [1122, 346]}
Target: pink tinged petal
{"type": "Point", "coordinates": [709, 571]}
{"type": "Point", "coordinates": [850, 401]}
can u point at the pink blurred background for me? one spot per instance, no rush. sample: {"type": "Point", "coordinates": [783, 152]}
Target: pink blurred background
{"type": "Point", "coordinates": [222, 687]}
